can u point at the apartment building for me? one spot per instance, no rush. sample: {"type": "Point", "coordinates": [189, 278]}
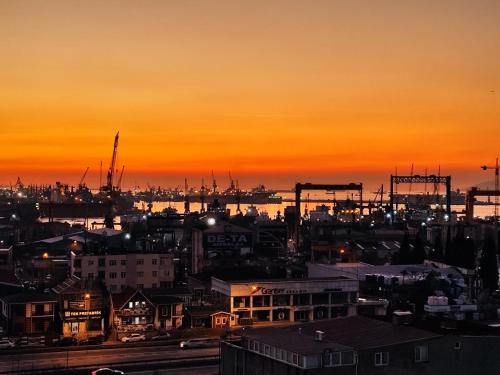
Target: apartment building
{"type": "Point", "coordinates": [121, 268]}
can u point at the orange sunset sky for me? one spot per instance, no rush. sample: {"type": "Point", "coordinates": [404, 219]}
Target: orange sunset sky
{"type": "Point", "coordinates": [275, 91]}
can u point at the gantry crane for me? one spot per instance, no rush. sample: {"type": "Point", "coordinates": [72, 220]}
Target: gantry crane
{"type": "Point", "coordinates": [214, 183]}
{"type": "Point", "coordinates": [495, 168]}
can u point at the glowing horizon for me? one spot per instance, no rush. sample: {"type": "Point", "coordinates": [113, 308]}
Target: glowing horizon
{"type": "Point", "coordinates": [275, 91]}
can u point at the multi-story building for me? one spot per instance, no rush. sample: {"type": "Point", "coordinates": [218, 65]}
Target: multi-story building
{"type": "Point", "coordinates": [82, 309]}
{"type": "Point", "coordinates": [257, 301]}
{"type": "Point", "coordinates": [120, 268]}
{"type": "Point", "coordinates": [28, 313]}
{"type": "Point", "coordinates": [135, 311]}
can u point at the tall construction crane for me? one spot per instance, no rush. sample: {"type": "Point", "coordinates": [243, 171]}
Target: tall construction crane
{"type": "Point", "coordinates": [111, 171]}
{"type": "Point", "coordinates": [81, 184]}
{"type": "Point", "coordinates": [119, 182]}
{"type": "Point", "coordinates": [495, 167]}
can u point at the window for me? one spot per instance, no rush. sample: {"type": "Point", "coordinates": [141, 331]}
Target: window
{"type": "Point", "coordinates": [421, 353]}
{"type": "Point", "coordinates": [339, 359]}
{"type": "Point", "coordinates": [123, 262]}
{"type": "Point", "coordinates": [112, 275]}
{"type": "Point", "coordinates": [140, 286]}
{"type": "Point", "coordinates": [295, 359]}
{"type": "Point", "coordinates": [113, 288]}
{"type": "Point", "coordinates": [381, 358]}
{"type": "Point", "coordinates": [153, 285]}
{"type": "Point", "coordinates": [123, 274]}
{"type": "Point", "coordinates": [91, 262]}
{"type": "Point", "coordinates": [140, 262]}
{"type": "Point", "coordinates": [267, 349]}
{"type": "Point", "coordinates": [102, 262]}
{"type": "Point", "coordinates": [154, 261]}
{"type": "Point", "coordinates": [101, 274]}
{"type": "Point", "coordinates": [112, 262]}
{"type": "Point", "coordinates": [90, 276]}
{"type": "Point", "coordinates": [140, 274]}
{"type": "Point", "coordinates": [155, 273]}
{"type": "Point", "coordinates": [335, 359]}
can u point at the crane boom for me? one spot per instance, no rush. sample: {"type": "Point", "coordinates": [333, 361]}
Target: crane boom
{"type": "Point", "coordinates": [82, 180]}
{"type": "Point", "coordinates": [111, 171]}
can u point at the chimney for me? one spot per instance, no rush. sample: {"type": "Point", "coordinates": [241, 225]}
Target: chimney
{"type": "Point", "coordinates": [319, 335]}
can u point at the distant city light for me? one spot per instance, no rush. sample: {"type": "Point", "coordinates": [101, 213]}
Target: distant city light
{"type": "Point", "coordinates": [127, 236]}
{"type": "Point", "coordinates": [211, 221]}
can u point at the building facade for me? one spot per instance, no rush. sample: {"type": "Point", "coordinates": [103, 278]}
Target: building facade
{"type": "Point", "coordinates": [265, 301]}
{"type": "Point", "coordinates": [120, 269]}
{"type": "Point", "coordinates": [82, 310]}
{"type": "Point", "coordinates": [29, 313]}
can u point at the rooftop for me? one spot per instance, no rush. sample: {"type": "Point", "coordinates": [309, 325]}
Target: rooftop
{"type": "Point", "coordinates": [354, 332]}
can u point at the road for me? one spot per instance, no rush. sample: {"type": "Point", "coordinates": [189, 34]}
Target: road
{"type": "Point", "coordinates": [197, 370]}
{"type": "Point", "coordinates": [98, 357]}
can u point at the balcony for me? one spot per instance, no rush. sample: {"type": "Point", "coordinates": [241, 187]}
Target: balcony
{"type": "Point", "coordinates": [137, 311]}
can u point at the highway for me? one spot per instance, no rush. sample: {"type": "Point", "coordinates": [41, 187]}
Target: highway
{"type": "Point", "coordinates": [98, 357]}
{"type": "Point", "coordinates": [196, 370]}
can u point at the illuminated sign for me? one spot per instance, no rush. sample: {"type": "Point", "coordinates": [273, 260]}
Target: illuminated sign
{"type": "Point", "coordinates": [266, 291]}
{"type": "Point", "coordinates": [228, 240]}
{"type": "Point", "coordinates": [70, 314]}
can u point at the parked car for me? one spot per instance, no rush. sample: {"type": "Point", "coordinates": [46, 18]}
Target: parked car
{"type": "Point", "coordinates": [67, 341]}
{"type": "Point", "coordinates": [161, 336]}
{"type": "Point", "coordinates": [6, 344]}
{"type": "Point", "coordinates": [93, 340]}
{"type": "Point", "coordinates": [134, 337]}
{"type": "Point", "coordinates": [198, 343]}
{"type": "Point", "coordinates": [107, 371]}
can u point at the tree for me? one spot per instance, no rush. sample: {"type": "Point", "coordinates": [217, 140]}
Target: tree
{"type": "Point", "coordinates": [488, 264]}
{"type": "Point", "coordinates": [418, 254]}
{"type": "Point", "coordinates": [404, 255]}
{"type": "Point", "coordinates": [437, 252]}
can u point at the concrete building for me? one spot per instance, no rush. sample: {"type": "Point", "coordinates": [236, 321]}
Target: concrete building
{"type": "Point", "coordinates": [281, 300]}
{"type": "Point", "coordinates": [83, 310]}
{"type": "Point", "coordinates": [220, 242]}
{"type": "Point", "coordinates": [118, 269]}
{"type": "Point", "coordinates": [357, 346]}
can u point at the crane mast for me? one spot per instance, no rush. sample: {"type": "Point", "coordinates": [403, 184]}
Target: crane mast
{"type": "Point", "coordinates": [111, 171]}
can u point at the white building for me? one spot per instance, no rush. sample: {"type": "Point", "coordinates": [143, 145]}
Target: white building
{"type": "Point", "coordinates": [287, 299]}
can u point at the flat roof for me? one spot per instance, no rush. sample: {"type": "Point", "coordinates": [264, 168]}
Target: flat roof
{"type": "Point", "coordinates": [355, 332]}
{"type": "Point", "coordinates": [290, 280]}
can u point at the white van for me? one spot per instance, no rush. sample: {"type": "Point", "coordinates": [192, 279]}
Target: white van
{"type": "Point", "coordinates": [198, 343]}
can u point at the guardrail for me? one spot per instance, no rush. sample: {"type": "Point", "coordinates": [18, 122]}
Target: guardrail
{"type": "Point", "coordinates": [127, 366]}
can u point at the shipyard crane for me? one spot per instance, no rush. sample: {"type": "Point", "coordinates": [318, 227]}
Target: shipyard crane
{"type": "Point", "coordinates": [495, 168]}
{"type": "Point", "coordinates": [214, 183]}
{"type": "Point", "coordinates": [119, 182]}
{"type": "Point", "coordinates": [111, 171]}
{"type": "Point", "coordinates": [231, 181]}
{"type": "Point", "coordinates": [81, 184]}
